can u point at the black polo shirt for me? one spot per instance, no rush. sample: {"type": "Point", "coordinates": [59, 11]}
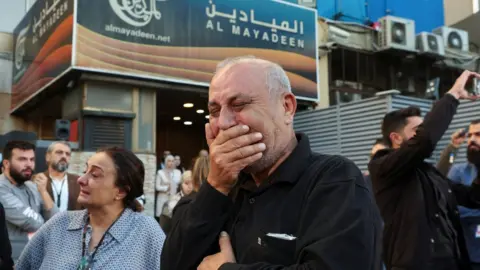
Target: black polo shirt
{"type": "Point", "coordinates": [320, 203]}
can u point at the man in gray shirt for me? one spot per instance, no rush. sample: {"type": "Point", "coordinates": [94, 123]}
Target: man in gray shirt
{"type": "Point", "coordinates": [27, 203]}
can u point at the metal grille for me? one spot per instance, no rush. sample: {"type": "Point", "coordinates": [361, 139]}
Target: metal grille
{"type": "Point", "coordinates": [107, 132]}
{"type": "Point", "coordinates": [360, 127]}
{"type": "Point", "coordinates": [351, 129]}
{"type": "Point", "coordinates": [321, 126]}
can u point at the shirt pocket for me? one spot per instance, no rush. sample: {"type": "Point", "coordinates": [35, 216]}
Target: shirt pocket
{"type": "Point", "coordinates": [279, 251]}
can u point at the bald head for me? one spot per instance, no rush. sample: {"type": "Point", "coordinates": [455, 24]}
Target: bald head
{"type": "Point", "coordinates": [275, 78]}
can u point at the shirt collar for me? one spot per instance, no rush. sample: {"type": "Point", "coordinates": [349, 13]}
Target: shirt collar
{"type": "Point", "coordinates": [290, 169]}
{"type": "Point", "coordinates": [118, 231]}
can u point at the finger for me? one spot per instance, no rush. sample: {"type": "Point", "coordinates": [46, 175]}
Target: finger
{"type": "Point", "coordinates": [463, 79]}
{"type": "Point", "coordinates": [242, 163]}
{"type": "Point", "coordinates": [473, 98]}
{"type": "Point", "coordinates": [475, 74]}
{"type": "Point", "coordinates": [225, 245]}
{"type": "Point", "coordinates": [209, 134]}
{"type": "Point", "coordinates": [241, 141]}
{"type": "Point", "coordinates": [244, 152]}
{"type": "Point", "coordinates": [231, 133]}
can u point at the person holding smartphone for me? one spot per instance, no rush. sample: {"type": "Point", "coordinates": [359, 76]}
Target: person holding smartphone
{"type": "Point", "coordinates": [418, 203]}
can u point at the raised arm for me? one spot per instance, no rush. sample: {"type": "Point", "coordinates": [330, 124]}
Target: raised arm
{"type": "Point", "coordinates": [412, 153]}
{"type": "Point", "coordinates": [448, 154]}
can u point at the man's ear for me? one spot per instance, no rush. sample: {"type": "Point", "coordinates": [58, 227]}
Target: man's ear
{"type": "Point", "coordinates": [396, 138]}
{"type": "Point", "coordinates": [290, 107]}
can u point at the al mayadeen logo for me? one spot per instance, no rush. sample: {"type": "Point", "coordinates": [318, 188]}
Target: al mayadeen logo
{"type": "Point", "coordinates": [135, 12]}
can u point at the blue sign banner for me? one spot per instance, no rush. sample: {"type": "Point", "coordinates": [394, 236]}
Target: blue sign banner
{"type": "Point", "coordinates": [183, 40]}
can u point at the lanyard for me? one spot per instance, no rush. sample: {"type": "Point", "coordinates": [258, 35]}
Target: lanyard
{"type": "Point", "coordinates": [59, 194]}
{"type": "Point", "coordinates": [87, 262]}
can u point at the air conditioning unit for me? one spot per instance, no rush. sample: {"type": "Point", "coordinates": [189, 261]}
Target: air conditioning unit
{"type": "Point", "coordinates": [308, 3]}
{"type": "Point", "coordinates": [396, 33]}
{"type": "Point", "coordinates": [453, 38]}
{"type": "Point", "coordinates": [429, 43]}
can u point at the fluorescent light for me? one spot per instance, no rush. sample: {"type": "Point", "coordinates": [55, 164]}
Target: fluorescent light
{"type": "Point", "coordinates": [187, 123]}
{"type": "Point", "coordinates": [188, 105]}
{"type": "Point", "coordinates": [176, 118]}
{"type": "Point", "coordinates": [207, 116]}
{"type": "Point", "coordinates": [200, 111]}
{"type": "Point", "coordinates": [476, 6]}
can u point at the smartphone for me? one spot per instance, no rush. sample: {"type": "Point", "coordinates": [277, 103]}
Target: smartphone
{"type": "Point", "coordinates": [476, 86]}
{"type": "Point", "coordinates": [473, 86]}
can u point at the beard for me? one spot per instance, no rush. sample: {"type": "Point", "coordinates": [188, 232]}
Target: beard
{"type": "Point", "coordinates": [266, 161]}
{"type": "Point", "coordinates": [20, 177]}
{"type": "Point", "coordinates": [270, 156]}
{"type": "Point", "coordinates": [473, 155]}
{"type": "Point", "coordinates": [61, 166]}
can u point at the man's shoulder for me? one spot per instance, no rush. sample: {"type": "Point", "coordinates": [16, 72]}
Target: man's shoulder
{"type": "Point", "coordinates": [72, 176]}
{"type": "Point", "coordinates": [379, 157]}
{"type": "Point", "coordinates": [332, 168]}
{"type": "Point", "coordinates": [4, 183]}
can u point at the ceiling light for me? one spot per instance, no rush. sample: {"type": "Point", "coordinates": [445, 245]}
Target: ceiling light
{"type": "Point", "coordinates": [176, 118]}
{"type": "Point", "coordinates": [200, 111]}
{"type": "Point", "coordinates": [187, 123]}
{"type": "Point", "coordinates": [207, 116]}
{"type": "Point", "coordinates": [188, 105]}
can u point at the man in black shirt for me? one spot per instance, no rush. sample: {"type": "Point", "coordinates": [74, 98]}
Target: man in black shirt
{"type": "Point", "coordinates": [418, 203]}
{"type": "Point", "coordinates": [268, 201]}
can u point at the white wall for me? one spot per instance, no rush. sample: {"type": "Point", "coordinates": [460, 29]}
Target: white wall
{"type": "Point", "coordinates": [11, 13]}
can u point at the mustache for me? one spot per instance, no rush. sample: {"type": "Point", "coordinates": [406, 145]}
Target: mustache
{"type": "Point", "coordinates": [27, 169]}
{"type": "Point", "coordinates": [473, 144]}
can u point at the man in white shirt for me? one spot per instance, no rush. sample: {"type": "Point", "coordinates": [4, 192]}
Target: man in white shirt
{"type": "Point", "coordinates": [62, 186]}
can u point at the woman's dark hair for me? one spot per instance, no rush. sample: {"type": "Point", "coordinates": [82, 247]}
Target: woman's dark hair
{"type": "Point", "coordinates": [130, 175]}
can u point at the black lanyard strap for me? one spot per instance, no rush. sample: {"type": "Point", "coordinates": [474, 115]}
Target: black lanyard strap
{"type": "Point", "coordinates": [84, 234]}
{"type": "Point", "coordinates": [59, 194]}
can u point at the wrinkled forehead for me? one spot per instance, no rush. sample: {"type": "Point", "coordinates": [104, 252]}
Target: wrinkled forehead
{"type": "Point", "coordinates": [102, 161]}
{"type": "Point", "coordinates": [246, 79]}
{"type": "Point", "coordinates": [60, 147]}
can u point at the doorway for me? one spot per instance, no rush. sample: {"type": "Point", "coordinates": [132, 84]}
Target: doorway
{"type": "Point", "coordinates": [181, 119]}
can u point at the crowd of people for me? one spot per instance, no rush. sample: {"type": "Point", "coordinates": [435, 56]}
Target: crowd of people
{"type": "Point", "coordinates": [258, 199]}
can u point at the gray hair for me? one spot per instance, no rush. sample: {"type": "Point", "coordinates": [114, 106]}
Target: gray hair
{"type": "Point", "coordinates": [51, 146]}
{"type": "Point", "coordinates": [277, 81]}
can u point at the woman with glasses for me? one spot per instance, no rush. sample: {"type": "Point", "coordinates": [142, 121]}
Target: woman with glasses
{"type": "Point", "coordinates": [110, 233]}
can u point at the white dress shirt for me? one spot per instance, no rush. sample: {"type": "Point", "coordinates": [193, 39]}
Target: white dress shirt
{"type": "Point", "coordinates": [62, 189]}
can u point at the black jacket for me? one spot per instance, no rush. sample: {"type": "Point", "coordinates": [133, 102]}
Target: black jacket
{"type": "Point", "coordinates": [404, 190]}
{"type": "Point", "coordinates": [321, 200]}
{"type": "Point", "coordinates": [6, 262]}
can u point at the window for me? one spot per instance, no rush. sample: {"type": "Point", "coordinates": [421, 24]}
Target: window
{"type": "Point", "coordinates": [109, 96]}
{"type": "Point", "coordinates": [146, 113]}
{"type": "Point", "coordinates": [476, 6]}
